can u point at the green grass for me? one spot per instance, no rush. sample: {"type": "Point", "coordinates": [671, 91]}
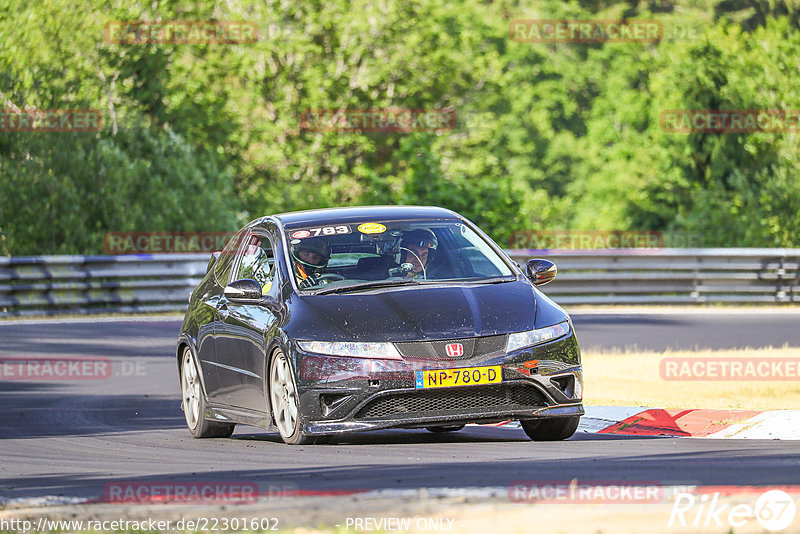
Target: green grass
{"type": "Point", "coordinates": [633, 379]}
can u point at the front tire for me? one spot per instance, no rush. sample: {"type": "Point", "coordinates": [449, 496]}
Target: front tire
{"type": "Point", "coordinates": [194, 403]}
{"type": "Point", "coordinates": [284, 401]}
{"type": "Point", "coordinates": [555, 429]}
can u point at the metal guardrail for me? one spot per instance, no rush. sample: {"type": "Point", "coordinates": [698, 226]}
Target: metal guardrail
{"type": "Point", "coordinates": [162, 283]}
{"type": "Point", "coordinates": [672, 276]}
{"type": "Point", "coordinates": [48, 285]}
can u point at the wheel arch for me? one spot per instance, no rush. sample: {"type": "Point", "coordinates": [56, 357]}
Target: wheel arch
{"type": "Point", "coordinates": [281, 343]}
{"type": "Point", "coordinates": [183, 343]}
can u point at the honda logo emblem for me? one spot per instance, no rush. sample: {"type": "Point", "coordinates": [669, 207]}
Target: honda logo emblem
{"type": "Point", "coordinates": [454, 349]}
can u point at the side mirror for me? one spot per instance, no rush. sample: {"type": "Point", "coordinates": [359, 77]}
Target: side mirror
{"type": "Point", "coordinates": [244, 291]}
{"type": "Point", "coordinates": [541, 271]}
{"type": "Point", "coordinates": [271, 304]}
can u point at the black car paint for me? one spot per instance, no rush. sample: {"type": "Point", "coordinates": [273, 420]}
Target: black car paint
{"type": "Point", "coordinates": [233, 348]}
{"type": "Point", "coordinates": [409, 313]}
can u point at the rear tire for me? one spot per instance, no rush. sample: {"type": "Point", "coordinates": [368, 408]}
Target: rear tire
{"type": "Point", "coordinates": [444, 428]}
{"type": "Point", "coordinates": [194, 403]}
{"type": "Point", "coordinates": [555, 429]}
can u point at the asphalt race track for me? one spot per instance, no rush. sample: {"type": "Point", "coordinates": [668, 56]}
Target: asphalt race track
{"type": "Point", "coordinates": [676, 330]}
{"type": "Point", "coordinates": [71, 438]}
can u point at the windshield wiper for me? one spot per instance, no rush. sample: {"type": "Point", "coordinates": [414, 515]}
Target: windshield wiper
{"type": "Point", "coordinates": [491, 280]}
{"type": "Point", "coordinates": [494, 280]}
{"type": "Point", "coordinates": [370, 285]}
{"type": "Point", "coordinates": [406, 281]}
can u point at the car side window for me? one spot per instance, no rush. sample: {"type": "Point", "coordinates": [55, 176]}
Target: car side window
{"type": "Point", "coordinates": [477, 255]}
{"type": "Point", "coordinates": [222, 268]}
{"type": "Point", "coordinates": [258, 262]}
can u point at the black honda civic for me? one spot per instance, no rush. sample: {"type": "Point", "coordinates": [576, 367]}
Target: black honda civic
{"type": "Point", "coordinates": [323, 322]}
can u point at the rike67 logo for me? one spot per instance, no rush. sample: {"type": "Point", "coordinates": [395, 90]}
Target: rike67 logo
{"type": "Point", "coordinates": [774, 510]}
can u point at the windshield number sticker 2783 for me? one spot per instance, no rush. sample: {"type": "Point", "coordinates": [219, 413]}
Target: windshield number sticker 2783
{"type": "Point", "coordinates": [322, 230]}
{"type": "Point", "coordinates": [468, 376]}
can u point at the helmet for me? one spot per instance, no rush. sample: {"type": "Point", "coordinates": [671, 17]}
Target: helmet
{"type": "Point", "coordinates": [318, 245]}
{"type": "Point", "coordinates": [421, 237]}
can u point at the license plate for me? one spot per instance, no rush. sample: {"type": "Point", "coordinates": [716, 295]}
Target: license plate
{"type": "Point", "coordinates": [465, 376]}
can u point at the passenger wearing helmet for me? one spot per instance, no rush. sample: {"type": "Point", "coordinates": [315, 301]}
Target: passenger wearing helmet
{"type": "Point", "coordinates": [311, 256]}
{"type": "Point", "coordinates": [417, 248]}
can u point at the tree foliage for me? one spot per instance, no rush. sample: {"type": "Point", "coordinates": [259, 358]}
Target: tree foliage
{"type": "Point", "coordinates": [548, 136]}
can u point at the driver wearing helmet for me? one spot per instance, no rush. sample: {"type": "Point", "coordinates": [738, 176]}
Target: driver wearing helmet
{"type": "Point", "coordinates": [417, 248]}
{"type": "Point", "coordinates": [311, 256]}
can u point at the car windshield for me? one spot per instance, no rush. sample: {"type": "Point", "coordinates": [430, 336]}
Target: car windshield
{"type": "Point", "coordinates": [345, 256]}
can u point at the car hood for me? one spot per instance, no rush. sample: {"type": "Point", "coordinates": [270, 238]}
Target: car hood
{"type": "Point", "coordinates": [415, 313]}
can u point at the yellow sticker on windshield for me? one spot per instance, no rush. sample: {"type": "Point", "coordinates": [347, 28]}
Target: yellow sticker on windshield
{"type": "Point", "coordinates": [371, 228]}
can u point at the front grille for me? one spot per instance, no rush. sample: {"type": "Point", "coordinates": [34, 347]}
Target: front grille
{"type": "Point", "coordinates": [450, 401]}
{"type": "Point", "coordinates": [435, 350]}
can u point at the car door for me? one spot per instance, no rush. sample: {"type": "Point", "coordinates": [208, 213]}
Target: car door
{"type": "Point", "coordinates": [240, 342]}
{"type": "Point", "coordinates": [207, 315]}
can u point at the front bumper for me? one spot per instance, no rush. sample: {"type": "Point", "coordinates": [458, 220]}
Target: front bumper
{"type": "Point", "coordinates": [353, 394]}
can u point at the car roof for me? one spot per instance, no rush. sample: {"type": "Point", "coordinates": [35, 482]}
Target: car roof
{"type": "Point", "coordinates": [364, 214]}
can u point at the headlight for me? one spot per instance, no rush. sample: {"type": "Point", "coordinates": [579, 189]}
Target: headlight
{"type": "Point", "coordinates": [519, 340]}
{"type": "Point", "coordinates": [386, 351]}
